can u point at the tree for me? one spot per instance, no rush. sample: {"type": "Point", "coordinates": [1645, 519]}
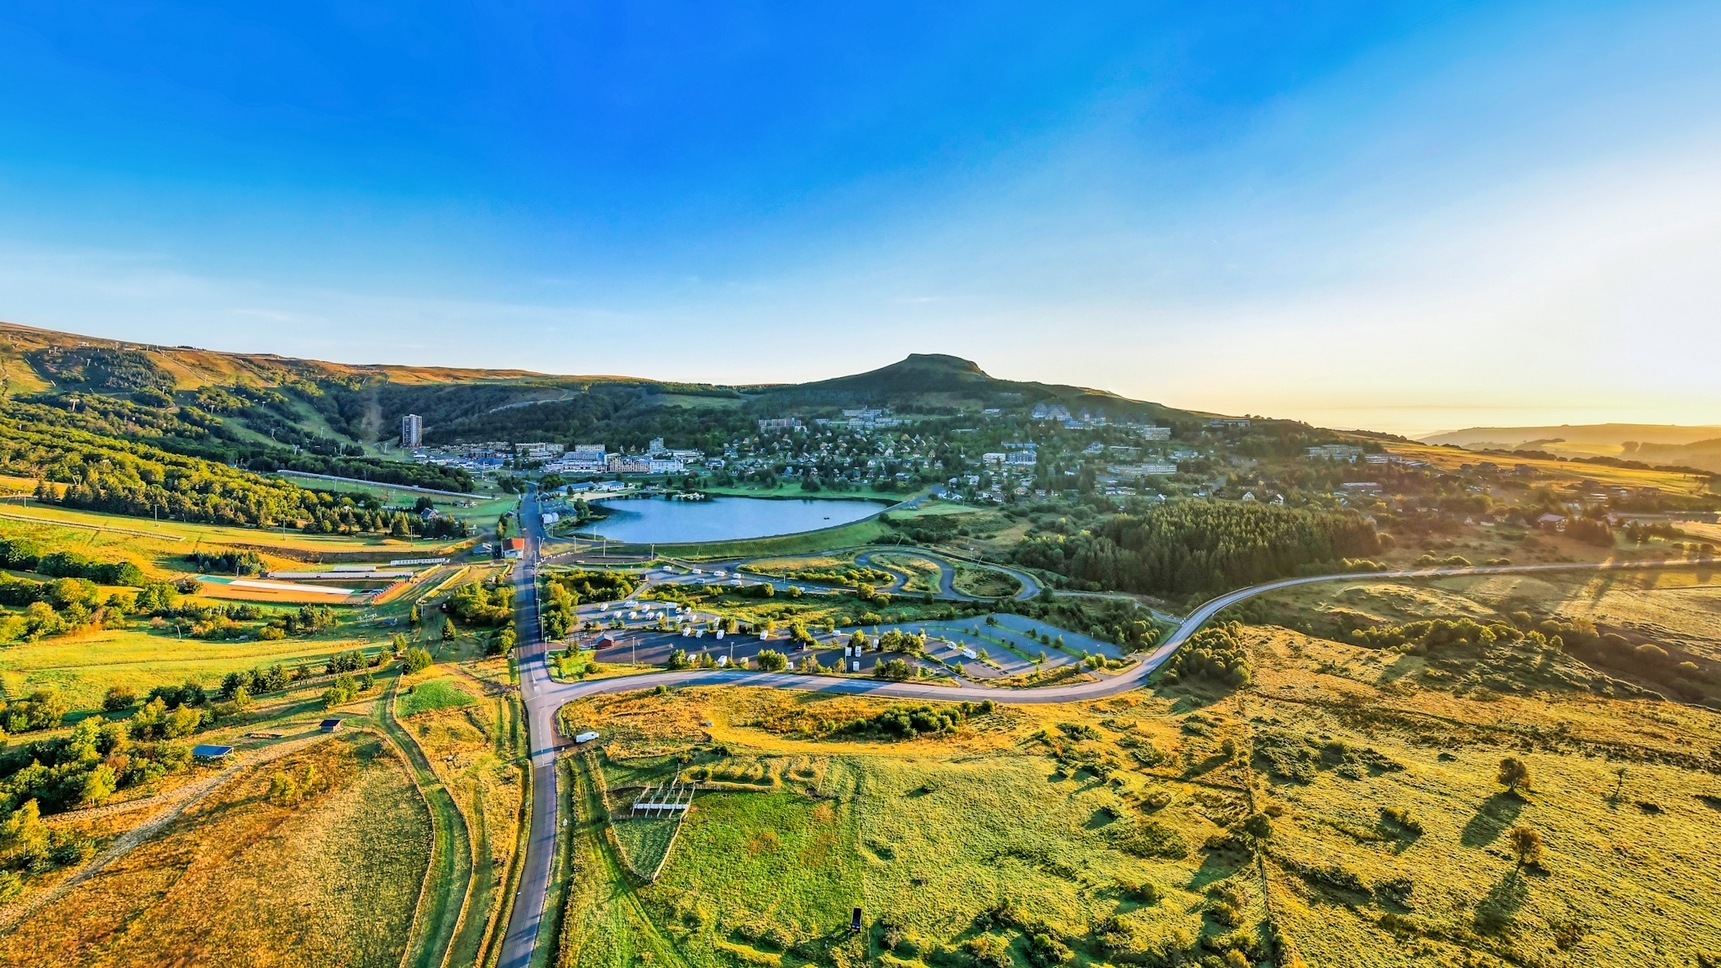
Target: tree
{"type": "Point", "coordinates": [417, 660]}
{"type": "Point", "coordinates": [896, 669]}
{"type": "Point", "coordinates": [119, 698]}
{"type": "Point", "coordinates": [412, 617]}
{"type": "Point", "coordinates": [771, 660]}
{"type": "Point", "coordinates": [23, 836]}
{"type": "Point", "coordinates": [1526, 843]}
{"type": "Point", "coordinates": [146, 723]}
{"type": "Point", "coordinates": [448, 630]}
{"type": "Point", "coordinates": [97, 785]}
{"type": "Point", "coordinates": [1514, 774]}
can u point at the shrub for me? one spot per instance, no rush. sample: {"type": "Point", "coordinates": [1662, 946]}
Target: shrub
{"type": "Point", "coordinates": [1150, 838]}
{"type": "Point", "coordinates": [1045, 950]}
{"type": "Point", "coordinates": [986, 951]}
{"type": "Point", "coordinates": [417, 660]}
{"type": "Point", "coordinates": [1403, 817]}
{"type": "Point", "coordinates": [119, 698]}
{"type": "Point", "coordinates": [1396, 890]}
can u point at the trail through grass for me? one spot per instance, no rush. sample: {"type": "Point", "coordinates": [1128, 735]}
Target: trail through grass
{"type": "Point", "coordinates": [240, 880]}
{"type": "Point", "coordinates": [450, 877]}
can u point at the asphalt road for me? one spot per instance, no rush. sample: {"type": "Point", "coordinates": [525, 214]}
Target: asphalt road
{"type": "Point", "coordinates": [947, 572]}
{"type": "Point", "coordinates": [541, 739]}
{"type": "Point", "coordinates": [543, 697]}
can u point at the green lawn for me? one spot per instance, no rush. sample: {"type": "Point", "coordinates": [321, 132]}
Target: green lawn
{"type": "Point", "coordinates": [435, 694]}
{"type": "Point", "coordinates": [83, 667]}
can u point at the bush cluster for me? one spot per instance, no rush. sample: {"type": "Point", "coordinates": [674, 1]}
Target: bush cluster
{"type": "Point", "coordinates": [907, 722]}
{"type": "Point", "coordinates": [1215, 654]}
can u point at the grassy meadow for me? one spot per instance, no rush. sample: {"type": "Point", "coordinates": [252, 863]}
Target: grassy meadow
{"type": "Point", "coordinates": [82, 667]}
{"type": "Point", "coordinates": [475, 746]}
{"type": "Point", "coordinates": [239, 879]}
{"type": "Point", "coordinates": [1120, 830]}
{"type": "Point", "coordinates": [985, 582]}
{"type": "Point", "coordinates": [923, 575]}
{"type": "Point", "coordinates": [179, 537]}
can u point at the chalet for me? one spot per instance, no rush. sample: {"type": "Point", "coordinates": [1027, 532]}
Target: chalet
{"type": "Point", "coordinates": [1551, 522]}
{"type": "Point", "coordinates": [513, 547]}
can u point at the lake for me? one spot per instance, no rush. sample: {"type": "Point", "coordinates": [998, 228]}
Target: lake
{"type": "Point", "coordinates": [657, 520]}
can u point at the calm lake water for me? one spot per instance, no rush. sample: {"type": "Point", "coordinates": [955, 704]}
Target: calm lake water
{"type": "Point", "coordinates": [662, 521]}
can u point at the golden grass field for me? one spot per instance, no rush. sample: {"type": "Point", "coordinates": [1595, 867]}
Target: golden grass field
{"type": "Point", "coordinates": [238, 880]}
{"type": "Point", "coordinates": [1449, 458]}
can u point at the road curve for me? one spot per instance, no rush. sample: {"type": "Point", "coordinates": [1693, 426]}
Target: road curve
{"type": "Point", "coordinates": [545, 696]}
{"type": "Point", "coordinates": [947, 571]}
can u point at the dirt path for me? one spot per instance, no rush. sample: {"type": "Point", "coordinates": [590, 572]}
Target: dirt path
{"type": "Point", "coordinates": [174, 803]}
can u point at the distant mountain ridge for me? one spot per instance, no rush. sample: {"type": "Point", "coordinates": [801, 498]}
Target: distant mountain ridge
{"type": "Point", "coordinates": [1667, 445]}
{"type": "Point", "coordinates": [361, 402]}
{"type": "Point", "coordinates": [1616, 434]}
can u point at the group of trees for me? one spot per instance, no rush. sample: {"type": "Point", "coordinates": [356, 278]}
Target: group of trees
{"type": "Point", "coordinates": [49, 608]}
{"type": "Point", "coordinates": [1215, 653]}
{"type": "Point", "coordinates": [82, 768]}
{"type": "Point", "coordinates": [565, 591]}
{"type": "Point", "coordinates": [558, 610]}
{"type": "Point", "coordinates": [594, 586]}
{"type": "Point", "coordinates": [1579, 638]}
{"type": "Point", "coordinates": [22, 554]}
{"type": "Point", "coordinates": [111, 470]}
{"type": "Point", "coordinates": [482, 604]}
{"type": "Point", "coordinates": [263, 679]}
{"type": "Point", "coordinates": [1200, 547]}
{"type": "Point", "coordinates": [67, 605]}
{"type": "Point", "coordinates": [623, 414]}
{"type": "Point", "coordinates": [234, 562]}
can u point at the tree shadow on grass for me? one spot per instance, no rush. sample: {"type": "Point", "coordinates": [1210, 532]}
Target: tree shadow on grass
{"type": "Point", "coordinates": [1206, 766]}
{"type": "Point", "coordinates": [1496, 814]}
{"type": "Point", "coordinates": [1499, 908]}
{"type": "Point", "coordinates": [1397, 834]}
{"type": "Point", "coordinates": [1216, 866]}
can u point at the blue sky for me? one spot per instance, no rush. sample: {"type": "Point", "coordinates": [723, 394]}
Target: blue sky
{"type": "Point", "coordinates": [1405, 216]}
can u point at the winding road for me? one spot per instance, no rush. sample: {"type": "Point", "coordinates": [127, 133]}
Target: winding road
{"type": "Point", "coordinates": [543, 696]}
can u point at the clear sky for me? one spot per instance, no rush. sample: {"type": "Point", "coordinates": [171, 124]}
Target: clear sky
{"type": "Point", "coordinates": [1406, 216]}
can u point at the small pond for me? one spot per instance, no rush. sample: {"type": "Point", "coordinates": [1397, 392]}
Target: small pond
{"type": "Point", "coordinates": [658, 520]}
